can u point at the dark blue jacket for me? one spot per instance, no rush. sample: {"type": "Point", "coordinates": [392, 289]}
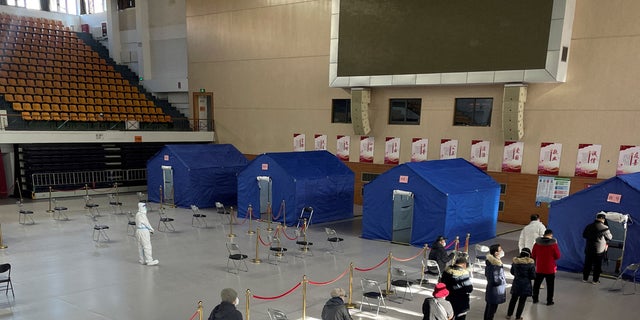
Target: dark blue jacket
{"type": "Point", "coordinates": [496, 281]}
{"type": "Point", "coordinates": [523, 271]}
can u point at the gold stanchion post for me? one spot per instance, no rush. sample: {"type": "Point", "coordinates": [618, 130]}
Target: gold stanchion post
{"type": "Point", "coordinates": [2, 246]}
{"type": "Point", "coordinates": [305, 247]}
{"type": "Point", "coordinates": [466, 244]}
{"type": "Point", "coordinates": [350, 304]}
{"type": "Point", "coordinates": [247, 308]}
{"type": "Point", "coordinates": [304, 297]}
{"type": "Point", "coordinates": [250, 213]}
{"type": "Point", "coordinates": [257, 260]}
{"type": "Point", "coordinates": [269, 228]}
{"type": "Point", "coordinates": [388, 290]}
{"type": "Point", "coordinates": [50, 210]}
{"type": "Point", "coordinates": [200, 309]}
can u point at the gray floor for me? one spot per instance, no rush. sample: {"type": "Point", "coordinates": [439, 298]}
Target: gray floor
{"type": "Point", "coordinates": [59, 272]}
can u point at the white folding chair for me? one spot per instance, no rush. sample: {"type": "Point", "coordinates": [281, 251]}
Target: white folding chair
{"type": "Point", "coordinates": [165, 224]}
{"type": "Point", "coordinates": [431, 268]}
{"type": "Point", "coordinates": [197, 218]}
{"type": "Point", "coordinates": [334, 241]}
{"type": "Point", "coordinates": [59, 212]}
{"type": "Point", "coordinates": [236, 257]}
{"type": "Point", "coordinates": [480, 258]}
{"type": "Point", "coordinates": [275, 314]}
{"type": "Point", "coordinates": [629, 272]}
{"type": "Point", "coordinates": [371, 290]}
{"type": "Point", "coordinates": [399, 279]}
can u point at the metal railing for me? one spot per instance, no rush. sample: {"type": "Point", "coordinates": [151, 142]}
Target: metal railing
{"type": "Point", "coordinates": [42, 181]}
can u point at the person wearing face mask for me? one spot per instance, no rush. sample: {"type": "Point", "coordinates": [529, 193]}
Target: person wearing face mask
{"type": "Point", "coordinates": [335, 309]}
{"type": "Point", "coordinates": [226, 310]}
{"type": "Point", "coordinates": [496, 282]}
{"type": "Point", "coordinates": [545, 252]}
{"type": "Point", "coordinates": [143, 235]}
{"type": "Point", "coordinates": [439, 253]}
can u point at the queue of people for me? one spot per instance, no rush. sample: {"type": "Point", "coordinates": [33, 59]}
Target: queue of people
{"type": "Point", "coordinates": [536, 261]}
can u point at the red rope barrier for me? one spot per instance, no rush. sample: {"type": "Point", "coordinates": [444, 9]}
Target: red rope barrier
{"type": "Point", "coordinates": [450, 244]}
{"type": "Point", "coordinates": [280, 296]}
{"type": "Point", "coordinates": [246, 217]}
{"type": "Point", "coordinates": [330, 281]}
{"type": "Point", "coordinates": [264, 244]}
{"type": "Point", "coordinates": [273, 218]}
{"type": "Point", "coordinates": [409, 259]}
{"type": "Point", "coordinates": [286, 236]}
{"type": "Point", "coordinates": [369, 269]}
{"type": "Point", "coordinates": [194, 315]}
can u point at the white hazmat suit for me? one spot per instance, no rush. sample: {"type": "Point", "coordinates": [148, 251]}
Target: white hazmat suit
{"type": "Point", "coordinates": [143, 231]}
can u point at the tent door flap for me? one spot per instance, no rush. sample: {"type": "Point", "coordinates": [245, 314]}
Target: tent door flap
{"type": "Point", "coordinates": [167, 184]}
{"type": "Point", "coordinates": [264, 184]}
{"type": "Point", "coordinates": [402, 216]}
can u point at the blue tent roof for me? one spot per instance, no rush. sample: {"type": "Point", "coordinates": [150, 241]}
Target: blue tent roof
{"type": "Point", "coordinates": [569, 216]}
{"type": "Point", "coordinates": [451, 197]}
{"type": "Point", "coordinates": [309, 164]}
{"type": "Point", "coordinates": [203, 174]}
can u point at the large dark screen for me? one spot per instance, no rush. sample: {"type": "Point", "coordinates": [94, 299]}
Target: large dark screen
{"type": "Point", "coordinates": [386, 37]}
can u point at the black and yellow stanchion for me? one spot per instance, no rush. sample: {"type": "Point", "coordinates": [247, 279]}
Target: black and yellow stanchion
{"type": "Point", "coordinates": [231, 234]}
{"type": "Point", "coordinates": [247, 307]}
{"type": "Point", "coordinates": [250, 213]}
{"type": "Point", "coordinates": [2, 245]}
{"type": "Point", "coordinates": [50, 210]}
{"type": "Point", "coordinates": [257, 260]}
{"type": "Point", "coordinates": [350, 304]}
{"type": "Point", "coordinates": [304, 297]}
{"type": "Point", "coordinates": [388, 290]}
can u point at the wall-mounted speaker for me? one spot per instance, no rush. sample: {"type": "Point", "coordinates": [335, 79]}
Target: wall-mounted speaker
{"type": "Point", "coordinates": [513, 111]}
{"type": "Point", "coordinates": [360, 99]}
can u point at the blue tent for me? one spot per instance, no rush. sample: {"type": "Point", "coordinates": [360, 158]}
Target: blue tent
{"type": "Point", "coordinates": [569, 216]}
{"type": "Point", "coordinates": [313, 178]}
{"type": "Point", "coordinates": [203, 174]}
{"type": "Point", "coordinates": [451, 198]}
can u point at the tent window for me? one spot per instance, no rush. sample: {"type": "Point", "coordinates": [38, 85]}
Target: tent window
{"type": "Point", "coordinates": [341, 111]}
{"type": "Point", "coordinates": [473, 112]}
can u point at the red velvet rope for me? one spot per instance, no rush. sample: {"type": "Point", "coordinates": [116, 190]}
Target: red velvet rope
{"type": "Point", "coordinates": [409, 259]}
{"type": "Point", "coordinates": [280, 296]}
{"type": "Point", "coordinates": [278, 216]}
{"type": "Point", "coordinates": [264, 244]}
{"type": "Point", "coordinates": [194, 315]}
{"type": "Point", "coordinates": [330, 281]}
{"type": "Point", "coordinates": [286, 236]}
{"type": "Point", "coordinates": [369, 269]}
{"type": "Point", "coordinates": [449, 245]}
{"type": "Point", "coordinates": [246, 217]}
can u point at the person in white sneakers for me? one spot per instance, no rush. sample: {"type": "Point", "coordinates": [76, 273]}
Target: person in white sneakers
{"type": "Point", "coordinates": [534, 230]}
{"type": "Point", "coordinates": [143, 235]}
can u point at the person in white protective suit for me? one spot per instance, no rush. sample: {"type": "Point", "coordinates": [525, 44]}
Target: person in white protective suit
{"type": "Point", "coordinates": [143, 235]}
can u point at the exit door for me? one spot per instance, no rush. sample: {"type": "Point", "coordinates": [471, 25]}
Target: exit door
{"type": "Point", "coordinates": [167, 184]}
{"type": "Point", "coordinates": [264, 184]}
{"type": "Point", "coordinates": [402, 216]}
{"type": "Point", "coordinates": [202, 111]}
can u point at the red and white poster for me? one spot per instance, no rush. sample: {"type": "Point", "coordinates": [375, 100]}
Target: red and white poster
{"type": "Point", "coordinates": [342, 148]}
{"type": "Point", "coordinates": [366, 149]}
{"type": "Point", "coordinates": [549, 163]}
{"type": "Point", "coordinates": [298, 142]}
{"type": "Point", "coordinates": [448, 149]}
{"type": "Point", "coordinates": [629, 160]}
{"type": "Point", "coordinates": [480, 154]}
{"type": "Point", "coordinates": [392, 150]}
{"type": "Point", "coordinates": [320, 142]}
{"type": "Point", "coordinates": [588, 160]}
{"type": "Point", "coordinates": [512, 156]}
{"type": "Point", "coordinates": [419, 149]}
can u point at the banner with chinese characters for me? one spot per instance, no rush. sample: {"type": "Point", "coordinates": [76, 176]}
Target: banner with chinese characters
{"type": "Point", "coordinates": [320, 142]}
{"type": "Point", "coordinates": [366, 149]}
{"type": "Point", "coordinates": [552, 188]}
{"type": "Point", "coordinates": [588, 160]}
{"type": "Point", "coordinates": [298, 142]}
{"type": "Point", "coordinates": [549, 158]}
{"type": "Point", "coordinates": [392, 150]}
{"type": "Point", "coordinates": [342, 148]}
{"type": "Point", "coordinates": [628, 161]}
{"type": "Point", "coordinates": [419, 149]}
{"type": "Point", "coordinates": [448, 149]}
{"type": "Point", "coordinates": [512, 156]}
{"type": "Point", "coordinates": [480, 154]}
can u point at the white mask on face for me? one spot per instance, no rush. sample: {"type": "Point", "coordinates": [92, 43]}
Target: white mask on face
{"type": "Point", "coordinates": [500, 254]}
{"type": "Point", "coordinates": [235, 303]}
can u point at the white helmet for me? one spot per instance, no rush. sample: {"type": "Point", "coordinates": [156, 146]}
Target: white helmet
{"type": "Point", "coordinates": [142, 207]}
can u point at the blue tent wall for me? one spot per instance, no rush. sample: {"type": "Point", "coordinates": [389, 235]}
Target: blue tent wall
{"type": "Point", "coordinates": [451, 198]}
{"type": "Point", "coordinates": [569, 216]}
{"type": "Point", "coordinates": [202, 173]}
{"type": "Point", "coordinates": [312, 178]}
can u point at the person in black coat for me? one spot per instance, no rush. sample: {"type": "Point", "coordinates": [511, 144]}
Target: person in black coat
{"type": "Point", "coordinates": [596, 234]}
{"type": "Point", "coordinates": [226, 310]}
{"type": "Point", "coordinates": [458, 281]}
{"type": "Point", "coordinates": [439, 253]}
{"type": "Point", "coordinates": [496, 281]}
{"type": "Point", "coordinates": [523, 270]}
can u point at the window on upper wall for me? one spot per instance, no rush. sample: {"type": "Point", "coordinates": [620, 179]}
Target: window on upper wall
{"type": "Point", "coordinates": [341, 111]}
{"type": "Point", "coordinates": [473, 112]}
{"type": "Point", "coordinates": [64, 6]}
{"type": "Point", "coordinates": [29, 4]}
{"type": "Point", "coordinates": [404, 111]}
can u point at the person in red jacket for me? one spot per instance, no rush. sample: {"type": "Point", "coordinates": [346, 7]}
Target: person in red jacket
{"type": "Point", "coordinates": [545, 252]}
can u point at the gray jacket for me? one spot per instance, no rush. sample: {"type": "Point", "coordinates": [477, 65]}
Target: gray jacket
{"type": "Point", "coordinates": [335, 309]}
{"type": "Point", "coordinates": [597, 234]}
